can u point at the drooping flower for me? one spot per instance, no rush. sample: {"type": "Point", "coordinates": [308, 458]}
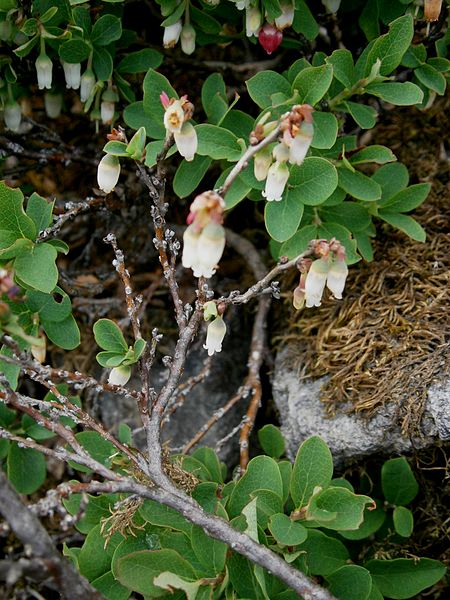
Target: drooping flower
{"type": "Point", "coordinates": [44, 69]}
{"type": "Point", "coordinates": [13, 115]}
{"type": "Point", "coordinates": [286, 18]}
{"type": "Point", "coordinates": [214, 336]}
{"type": "Point", "coordinates": [187, 37]}
{"type": "Point", "coordinates": [263, 160]}
{"type": "Point", "coordinates": [108, 173]}
{"type": "Point", "coordinates": [53, 104]}
{"type": "Point", "coordinates": [190, 244]}
{"type": "Point", "coordinates": [108, 105]}
{"type": "Point", "coordinates": [298, 132]}
{"type": "Point", "coordinates": [300, 144]}
{"type": "Point", "coordinates": [253, 19]}
{"type": "Point", "coordinates": [270, 38]}
{"type": "Point", "coordinates": [186, 141]}
{"type": "Point", "coordinates": [276, 181]}
{"type": "Point", "coordinates": [172, 34]}
{"type": "Point", "coordinates": [119, 375]}
{"type": "Point", "coordinates": [174, 115]}
{"type": "Point", "coordinates": [332, 6]}
{"type": "Point", "coordinates": [315, 282]}
{"type": "Point", "coordinates": [337, 275]}
{"type": "Point", "coordinates": [87, 84]}
{"type": "Point", "coordinates": [210, 247]}
{"type": "Point", "coordinates": [432, 10]}
{"type": "Point", "coordinates": [298, 299]}
{"type": "Point", "coordinates": [72, 73]}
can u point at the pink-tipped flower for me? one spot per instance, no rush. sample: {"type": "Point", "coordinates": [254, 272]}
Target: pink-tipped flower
{"type": "Point", "coordinates": [263, 160]}
{"type": "Point", "coordinates": [316, 279]}
{"type": "Point", "coordinates": [173, 116]}
{"type": "Point", "coordinates": [119, 375]}
{"type": "Point", "coordinates": [276, 181]}
{"type": "Point", "coordinates": [253, 19]}
{"type": "Point", "coordinates": [337, 275]}
{"type": "Point", "coordinates": [214, 336]}
{"type": "Point", "coordinates": [286, 18]}
{"type": "Point", "coordinates": [432, 10]}
{"type": "Point", "coordinates": [108, 173]}
{"type": "Point", "coordinates": [270, 38]}
{"type": "Point", "coordinates": [300, 144]}
{"type": "Point", "coordinates": [187, 37]}
{"type": "Point", "coordinates": [186, 141]}
{"type": "Point", "coordinates": [172, 34]}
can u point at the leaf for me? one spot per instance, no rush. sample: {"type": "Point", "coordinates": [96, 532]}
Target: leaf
{"type": "Point", "coordinates": [243, 578]}
{"type": "Point", "coordinates": [403, 521]}
{"type": "Point", "coordinates": [137, 570]}
{"type": "Point", "coordinates": [95, 507]}
{"type": "Point", "coordinates": [97, 447]}
{"type": "Point", "coordinates": [107, 29]}
{"type": "Point", "coordinates": [399, 485]}
{"type": "Point", "coordinates": [272, 441]}
{"type": "Point", "coordinates": [74, 51]}
{"type": "Point", "coordinates": [349, 214]}
{"type": "Point", "coordinates": [154, 84]}
{"type": "Point", "coordinates": [403, 577]}
{"type": "Point", "coordinates": [190, 174]}
{"type": "Point", "coordinates": [13, 220]}
{"type": "Point", "coordinates": [324, 554]}
{"type": "Point", "coordinates": [36, 267]}
{"type": "Point", "coordinates": [392, 178]}
{"type": "Point", "coordinates": [431, 78]}
{"type": "Point", "coordinates": [109, 336]}
{"type": "Point", "coordinates": [170, 581]}
{"type": "Point", "coordinates": [102, 63]}
{"type": "Point", "coordinates": [401, 94]}
{"type": "Point", "coordinates": [337, 508]}
{"type": "Point", "coordinates": [94, 559]}
{"type": "Point", "coordinates": [405, 223]}
{"type": "Point", "coordinates": [283, 218]}
{"type": "Point", "coordinates": [313, 467]}
{"type": "Point", "coordinates": [390, 47]}
{"type": "Point", "coordinates": [116, 148]}
{"type": "Point", "coordinates": [40, 211]}
{"type": "Point", "coordinates": [312, 84]}
{"type": "Point", "coordinates": [49, 308]}
{"type": "Point", "coordinates": [350, 582]}
{"type": "Point", "coordinates": [343, 67]}
{"type": "Point", "coordinates": [140, 61]}
{"type": "Point", "coordinates": [64, 334]}
{"type": "Point", "coordinates": [26, 468]}
{"type": "Point", "coordinates": [364, 116]}
{"type": "Point", "coordinates": [325, 130]}
{"type": "Point", "coordinates": [217, 143]}
{"type": "Point", "coordinates": [164, 516]}
{"type": "Point", "coordinates": [313, 181]}
{"type": "Point", "coordinates": [407, 199]}
{"type": "Point", "coordinates": [214, 98]}
{"type": "Point", "coordinates": [373, 154]}
{"type": "Point", "coordinates": [211, 553]}
{"type": "Point", "coordinates": [107, 585]}
{"type": "Point", "coordinates": [299, 241]}
{"type": "Point", "coordinates": [262, 85]}
{"type": "Point", "coordinates": [262, 473]}
{"type": "Point", "coordinates": [373, 520]}
{"type": "Point", "coordinates": [238, 122]}
{"type": "Point", "coordinates": [211, 461]}
{"type": "Point", "coordinates": [285, 531]}
{"type": "Point", "coordinates": [358, 185]}
{"type": "Point", "coordinates": [304, 22]}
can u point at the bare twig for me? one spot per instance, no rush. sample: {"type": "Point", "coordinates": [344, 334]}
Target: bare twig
{"type": "Point", "coordinates": [72, 210]}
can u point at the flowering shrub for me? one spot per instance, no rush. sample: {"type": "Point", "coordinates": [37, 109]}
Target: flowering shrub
{"type": "Point", "coordinates": [296, 143]}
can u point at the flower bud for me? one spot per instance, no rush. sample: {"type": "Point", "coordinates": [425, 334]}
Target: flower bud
{"type": "Point", "coordinates": [210, 247]}
{"type": "Point", "coordinates": [287, 15]}
{"type": "Point", "coordinates": [337, 274]}
{"type": "Point", "coordinates": [315, 282]}
{"type": "Point", "coordinates": [263, 160]}
{"type": "Point", "coordinates": [38, 350]}
{"type": "Point", "coordinates": [253, 18]}
{"type": "Point", "coordinates": [270, 38]}
{"type": "Point", "coordinates": [72, 73]}
{"type": "Point", "coordinates": [281, 152]}
{"type": "Point", "coordinates": [214, 336]}
{"type": "Point", "coordinates": [44, 68]}
{"type": "Point", "coordinates": [187, 38]}
{"type": "Point", "coordinates": [108, 173]}
{"type": "Point", "coordinates": [332, 6]}
{"type": "Point", "coordinates": [87, 84]}
{"type": "Point", "coordinates": [53, 104]}
{"type": "Point", "coordinates": [172, 34]}
{"type": "Point", "coordinates": [186, 141]}
{"type": "Point", "coordinates": [209, 310]}
{"type": "Point", "coordinates": [12, 115]}
{"type": "Point", "coordinates": [174, 117]}
{"type": "Point", "coordinates": [277, 178]}
{"type": "Point", "coordinates": [119, 375]}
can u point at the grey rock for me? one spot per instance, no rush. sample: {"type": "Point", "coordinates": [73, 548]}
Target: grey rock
{"type": "Point", "coordinates": [350, 436]}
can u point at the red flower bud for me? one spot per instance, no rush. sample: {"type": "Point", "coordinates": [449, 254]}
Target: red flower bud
{"type": "Point", "coordinates": [270, 38]}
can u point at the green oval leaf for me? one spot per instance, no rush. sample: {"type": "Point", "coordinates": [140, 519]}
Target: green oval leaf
{"type": "Point", "coordinates": [403, 578]}
{"type": "Point", "coordinates": [313, 467]}
{"type": "Point", "coordinates": [26, 468]}
{"type": "Point", "coordinates": [312, 83]}
{"type": "Point", "coordinates": [313, 181]}
{"type": "Point", "coordinates": [398, 482]}
{"type": "Point", "coordinates": [283, 218]}
{"type": "Point", "coordinates": [285, 531]}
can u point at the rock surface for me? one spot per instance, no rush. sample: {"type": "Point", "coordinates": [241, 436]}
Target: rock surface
{"type": "Point", "coordinates": [350, 436]}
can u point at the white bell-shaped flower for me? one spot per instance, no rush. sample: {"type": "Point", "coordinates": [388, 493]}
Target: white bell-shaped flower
{"type": "Point", "coordinates": [281, 152]}
{"type": "Point", "coordinates": [53, 104]}
{"type": "Point", "coordinates": [107, 112]}
{"type": "Point", "coordinates": [172, 34]}
{"type": "Point", "coordinates": [87, 84]}
{"type": "Point", "coordinates": [315, 282]}
{"type": "Point", "coordinates": [263, 160]}
{"type": "Point", "coordinates": [187, 37]}
{"type": "Point", "coordinates": [332, 6]}
{"type": "Point", "coordinates": [253, 20]}
{"type": "Point", "coordinates": [119, 375]}
{"type": "Point", "coordinates": [12, 115]}
{"type": "Point", "coordinates": [72, 73]}
{"type": "Point", "coordinates": [210, 247]}
{"type": "Point", "coordinates": [214, 336]}
{"type": "Point", "coordinates": [44, 69]}
{"type": "Point", "coordinates": [337, 275]}
{"type": "Point", "coordinates": [287, 15]}
{"type": "Point", "coordinates": [186, 141]}
{"type": "Point", "coordinates": [108, 173]}
{"type": "Point", "coordinates": [174, 117]}
{"type": "Point", "coordinates": [300, 144]}
{"type": "Point", "coordinates": [190, 244]}
{"type": "Point", "coordinates": [276, 181]}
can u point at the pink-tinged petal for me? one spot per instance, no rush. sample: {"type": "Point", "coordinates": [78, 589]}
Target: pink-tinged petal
{"type": "Point", "coordinates": [270, 38]}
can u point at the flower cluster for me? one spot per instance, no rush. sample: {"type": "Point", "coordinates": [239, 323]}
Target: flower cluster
{"type": "Point", "coordinates": [268, 31]}
{"type": "Point", "coordinates": [204, 238]}
{"type": "Point", "coordinates": [216, 329]}
{"type": "Point", "coordinates": [329, 269]}
{"type": "Point", "coordinates": [176, 121]}
{"type": "Point", "coordinates": [296, 136]}
{"type": "Point", "coordinates": [179, 32]}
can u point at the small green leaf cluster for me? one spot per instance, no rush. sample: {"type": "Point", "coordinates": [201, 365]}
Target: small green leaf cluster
{"type": "Point", "coordinates": [115, 350]}
{"type": "Point", "coordinates": [299, 511]}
